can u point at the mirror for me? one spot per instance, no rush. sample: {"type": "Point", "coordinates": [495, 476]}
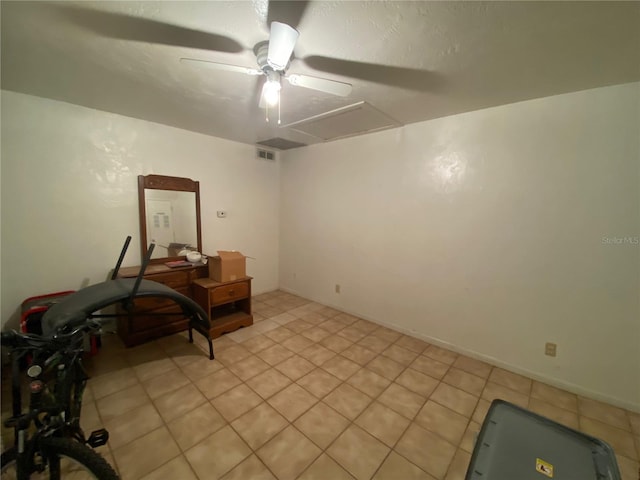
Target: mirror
{"type": "Point", "coordinates": [169, 215]}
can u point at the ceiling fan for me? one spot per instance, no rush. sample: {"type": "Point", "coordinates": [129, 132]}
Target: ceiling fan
{"type": "Point", "coordinates": [273, 58]}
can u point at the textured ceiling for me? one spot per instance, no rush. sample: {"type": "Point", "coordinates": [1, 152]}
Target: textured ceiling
{"type": "Point", "coordinates": [442, 58]}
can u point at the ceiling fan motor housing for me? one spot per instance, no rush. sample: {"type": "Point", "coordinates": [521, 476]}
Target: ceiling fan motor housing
{"type": "Point", "coordinates": [261, 50]}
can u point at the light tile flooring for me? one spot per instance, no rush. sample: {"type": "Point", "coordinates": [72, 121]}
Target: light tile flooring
{"type": "Point", "coordinates": [309, 392]}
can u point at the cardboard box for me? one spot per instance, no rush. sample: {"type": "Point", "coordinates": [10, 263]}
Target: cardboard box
{"type": "Point", "coordinates": [227, 266]}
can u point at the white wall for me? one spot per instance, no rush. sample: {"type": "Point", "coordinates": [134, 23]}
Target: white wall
{"type": "Point", "coordinates": [484, 231]}
{"type": "Point", "coordinates": [69, 195]}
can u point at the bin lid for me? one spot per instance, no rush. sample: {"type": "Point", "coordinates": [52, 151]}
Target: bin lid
{"type": "Point", "coordinates": [515, 443]}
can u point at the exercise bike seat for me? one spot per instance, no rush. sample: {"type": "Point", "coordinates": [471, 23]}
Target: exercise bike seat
{"type": "Point", "coordinates": [74, 309]}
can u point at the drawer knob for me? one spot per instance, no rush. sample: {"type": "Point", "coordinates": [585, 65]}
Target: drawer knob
{"type": "Point", "coordinates": [231, 293]}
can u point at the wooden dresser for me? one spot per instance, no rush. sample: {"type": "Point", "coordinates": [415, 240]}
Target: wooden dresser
{"type": "Point", "coordinates": [147, 324]}
{"type": "Point", "coordinates": [227, 303]}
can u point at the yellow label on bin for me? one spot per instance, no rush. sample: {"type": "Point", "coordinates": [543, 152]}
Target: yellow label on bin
{"type": "Point", "coordinates": [544, 468]}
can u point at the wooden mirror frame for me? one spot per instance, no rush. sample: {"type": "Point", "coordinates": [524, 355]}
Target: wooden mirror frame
{"type": "Point", "coordinates": [161, 182]}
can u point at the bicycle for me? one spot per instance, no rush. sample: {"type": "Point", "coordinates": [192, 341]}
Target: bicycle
{"type": "Point", "coordinates": [50, 429]}
{"type": "Point", "coordinates": [49, 442]}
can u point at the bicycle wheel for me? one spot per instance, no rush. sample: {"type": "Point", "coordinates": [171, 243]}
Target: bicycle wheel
{"type": "Point", "coordinates": [63, 459]}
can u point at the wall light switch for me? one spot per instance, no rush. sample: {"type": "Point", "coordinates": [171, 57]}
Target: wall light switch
{"type": "Point", "coordinates": [222, 213]}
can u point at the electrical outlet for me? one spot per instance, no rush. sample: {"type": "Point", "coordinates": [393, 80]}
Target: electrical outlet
{"type": "Point", "coordinates": [222, 213]}
{"type": "Point", "coordinates": [337, 288]}
{"type": "Point", "coordinates": [550, 349]}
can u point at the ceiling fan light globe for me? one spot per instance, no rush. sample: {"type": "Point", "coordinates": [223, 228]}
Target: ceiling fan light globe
{"type": "Point", "coordinates": [272, 98]}
{"type": "Point", "coordinates": [271, 92]}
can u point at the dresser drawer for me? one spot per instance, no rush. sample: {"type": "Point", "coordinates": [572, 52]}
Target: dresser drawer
{"type": "Point", "coordinates": [173, 280]}
{"type": "Point", "coordinates": [148, 320]}
{"type": "Point", "coordinates": [140, 323]}
{"type": "Point", "coordinates": [143, 304]}
{"type": "Point", "coordinates": [229, 293]}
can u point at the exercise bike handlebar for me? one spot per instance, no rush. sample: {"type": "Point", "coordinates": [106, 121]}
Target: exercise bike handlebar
{"type": "Point", "coordinates": [14, 339]}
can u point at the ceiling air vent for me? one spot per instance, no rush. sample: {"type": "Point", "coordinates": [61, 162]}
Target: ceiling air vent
{"type": "Point", "coordinates": [355, 119]}
{"type": "Point", "coordinates": [281, 143]}
{"type": "Point", "coordinates": [266, 154]}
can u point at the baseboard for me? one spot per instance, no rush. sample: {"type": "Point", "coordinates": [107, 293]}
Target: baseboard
{"type": "Point", "coordinates": [555, 382]}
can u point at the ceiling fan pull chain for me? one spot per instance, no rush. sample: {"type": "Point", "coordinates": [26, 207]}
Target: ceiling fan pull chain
{"type": "Point", "coordinates": [266, 112]}
{"type": "Point", "coordinates": [279, 100]}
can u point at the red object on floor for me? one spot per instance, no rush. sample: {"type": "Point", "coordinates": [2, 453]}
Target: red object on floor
{"type": "Point", "coordinates": [33, 308]}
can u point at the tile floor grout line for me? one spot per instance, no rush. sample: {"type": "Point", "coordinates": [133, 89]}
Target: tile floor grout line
{"type": "Point", "coordinates": [324, 450]}
{"type": "Point", "coordinates": [103, 422]}
{"type": "Point", "coordinates": [291, 423]}
{"type": "Point", "coordinates": [351, 422]}
{"type": "Point", "coordinates": [375, 399]}
{"type": "Point", "coordinates": [253, 452]}
{"type": "Point", "coordinates": [392, 449]}
{"type": "Point", "coordinates": [165, 424]}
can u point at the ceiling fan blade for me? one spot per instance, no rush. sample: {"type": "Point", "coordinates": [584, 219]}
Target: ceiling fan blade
{"type": "Point", "coordinates": [221, 66]}
{"type": "Point", "coordinates": [281, 42]}
{"type": "Point", "coordinates": [125, 27]}
{"type": "Point", "coordinates": [289, 12]}
{"type": "Point", "coordinates": [321, 84]}
{"type": "Point", "coordinates": [410, 78]}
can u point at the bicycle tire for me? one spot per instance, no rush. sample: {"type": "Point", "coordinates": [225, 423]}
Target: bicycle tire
{"type": "Point", "coordinates": [94, 465]}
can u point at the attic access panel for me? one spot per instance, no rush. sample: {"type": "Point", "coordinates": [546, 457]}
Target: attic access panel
{"type": "Point", "coordinates": [355, 119]}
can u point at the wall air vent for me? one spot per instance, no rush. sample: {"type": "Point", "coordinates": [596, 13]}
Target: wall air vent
{"type": "Point", "coordinates": [266, 154]}
{"type": "Point", "coordinates": [356, 119]}
{"type": "Point", "coordinates": [281, 143]}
